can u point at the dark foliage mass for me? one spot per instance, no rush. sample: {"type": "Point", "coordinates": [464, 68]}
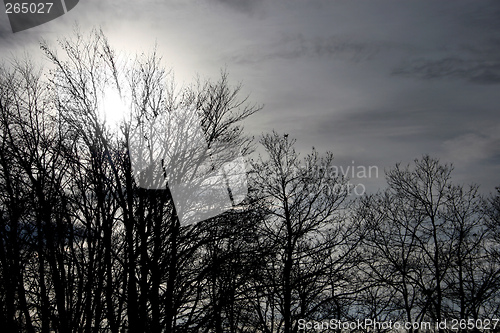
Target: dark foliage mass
{"type": "Point", "coordinates": [84, 249]}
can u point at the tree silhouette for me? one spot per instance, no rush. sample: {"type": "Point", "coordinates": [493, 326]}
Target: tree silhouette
{"type": "Point", "coordinates": [427, 244]}
{"type": "Point", "coordinates": [86, 247]}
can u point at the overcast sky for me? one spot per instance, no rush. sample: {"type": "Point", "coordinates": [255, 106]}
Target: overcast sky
{"type": "Point", "coordinates": [375, 82]}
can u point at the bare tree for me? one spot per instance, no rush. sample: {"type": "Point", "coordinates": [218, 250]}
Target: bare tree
{"type": "Point", "coordinates": [83, 247]}
{"type": "Point", "coordinates": [35, 165]}
{"type": "Point", "coordinates": [427, 244]}
{"type": "Point", "coordinates": [313, 245]}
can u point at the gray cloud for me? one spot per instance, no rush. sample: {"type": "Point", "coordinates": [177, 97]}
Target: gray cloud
{"type": "Point", "coordinates": [294, 46]}
{"type": "Point", "coordinates": [480, 15]}
{"type": "Point", "coordinates": [482, 71]}
{"type": "Point", "coordinates": [468, 47]}
{"type": "Point", "coordinates": [374, 82]}
{"type": "Point", "coordinates": [246, 6]}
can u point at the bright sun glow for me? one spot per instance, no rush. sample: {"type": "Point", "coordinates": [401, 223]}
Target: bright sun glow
{"type": "Point", "coordinates": [113, 107]}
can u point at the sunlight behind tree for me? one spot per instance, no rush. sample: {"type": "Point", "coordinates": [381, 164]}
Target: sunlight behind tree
{"type": "Point", "coordinates": [114, 106]}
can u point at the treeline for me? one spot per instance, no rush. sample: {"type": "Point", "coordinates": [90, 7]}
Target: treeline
{"type": "Point", "coordinates": [84, 249]}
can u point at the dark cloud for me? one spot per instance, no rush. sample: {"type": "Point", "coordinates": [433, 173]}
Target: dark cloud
{"type": "Point", "coordinates": [467, 49]}
{"type": "Point", "coordinates": [419, 117]}
{"type": "Point", "coordinates": [481, 16]}
{"type": "Point", "coordinates": [299, 46]}
{"type": "Point", "coordinates": [246, 6]}
{"type": "Point", "coordinates": [337, 75]}
{"type": "Point", "coordinates": [378, 128]}
{"type": "Point", "coordinates": [480, 71]}
{"type": "Point", "coordinates": [454, 122]}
